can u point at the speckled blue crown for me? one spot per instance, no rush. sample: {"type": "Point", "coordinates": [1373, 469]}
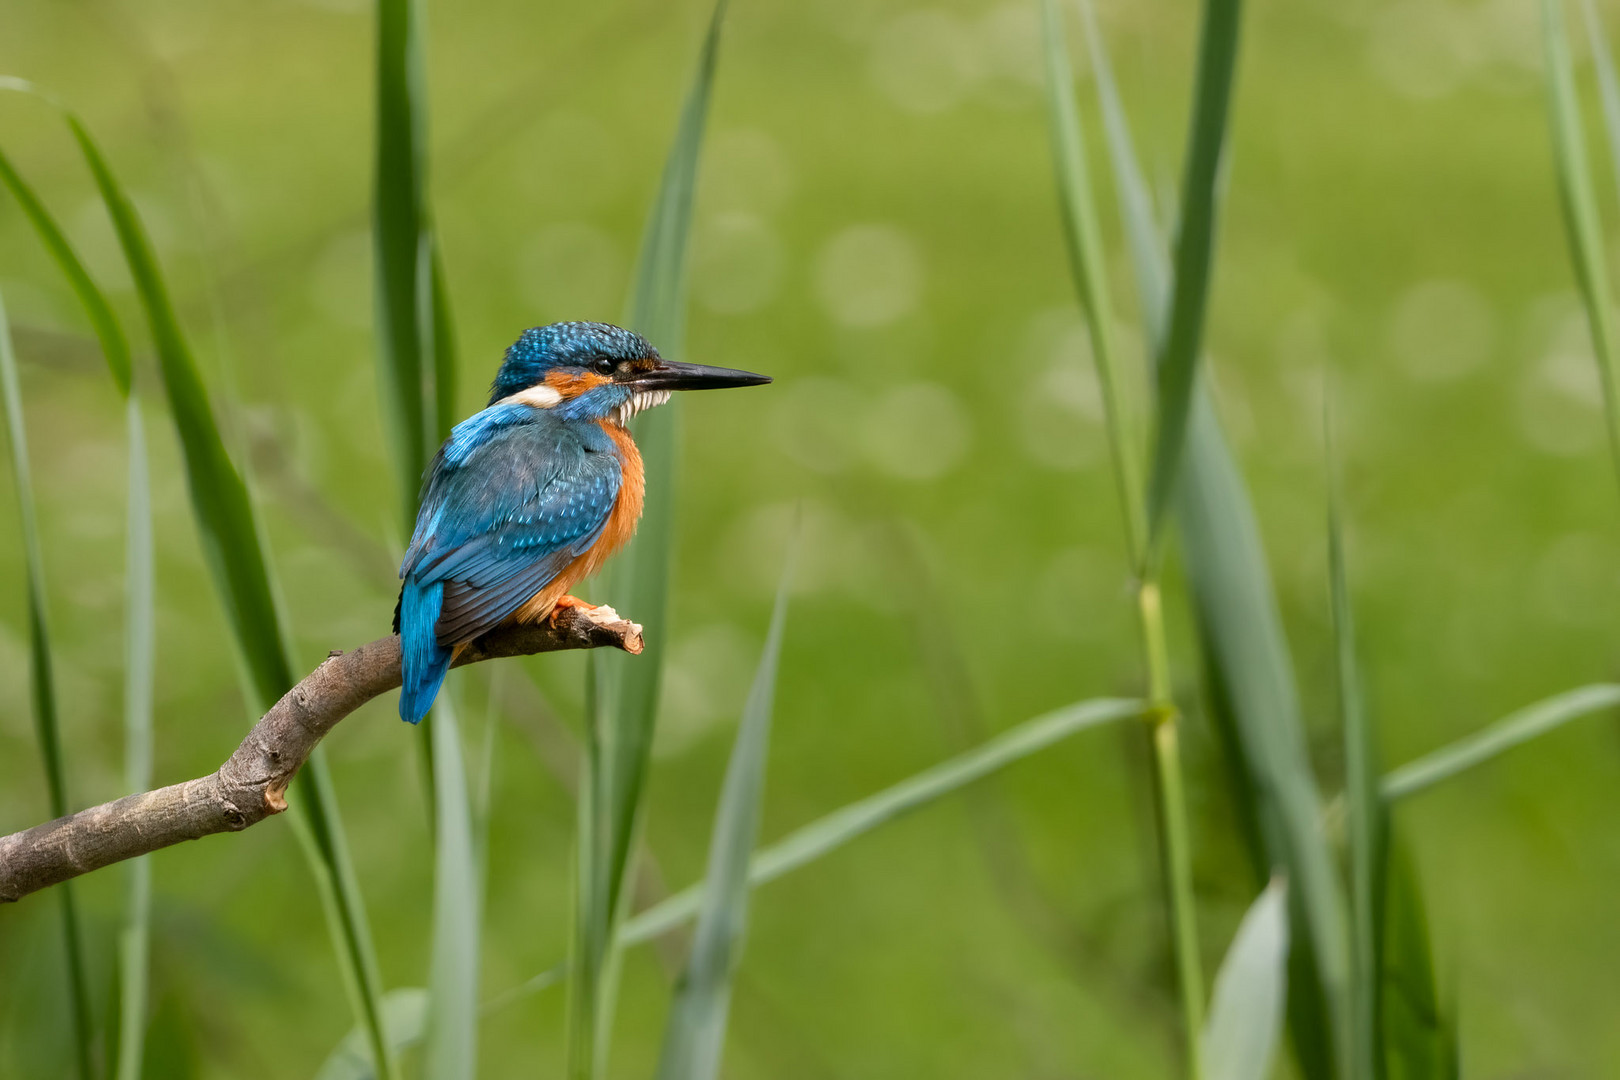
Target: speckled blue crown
{"type": "Point", "coordinates": [541, 348]}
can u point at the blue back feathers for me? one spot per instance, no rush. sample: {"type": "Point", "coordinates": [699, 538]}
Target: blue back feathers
{"type": "Point", "coordinates": [512, 497]}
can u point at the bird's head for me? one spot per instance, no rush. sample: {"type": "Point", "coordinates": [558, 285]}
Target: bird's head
{"type": "Point", "coordinates": [594, 371]}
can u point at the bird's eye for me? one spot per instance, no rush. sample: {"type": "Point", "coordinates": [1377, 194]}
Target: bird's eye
{"type": "Point", "coordinates": [602, 366]}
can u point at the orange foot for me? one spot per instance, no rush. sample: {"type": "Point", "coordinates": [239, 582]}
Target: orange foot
{"type": "Point", "coordinates": [568, 601]}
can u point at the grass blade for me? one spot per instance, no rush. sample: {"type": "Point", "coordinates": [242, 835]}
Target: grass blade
{"type": "Point", "coordinates": [114, 346]}
{"type": "Point", "coordinates": [1182, 346]}
{"type": "Point", "coordinates": [1608, 81]}
{"type": "Point", "coordinates": [1519, 727]}
{"type": "Point", "coordinates": [134, 938]}
{"type": "Point", "coordinates": [405, 1018]}
{"type": "Point", "coordinates": [1582, 227]}
{"type": "Point", "coordinates": [695, 1036]}
{"type": "Point", "coordinates": [42, 682]}
{"type": "Point", "coordinates": [1419, 1041]}
{"type": "Point", "coordinates": [1091, 282]}
{"type": "Point", "coordinates": [1246, 1009]}
{"type": "Point", "coordinates": [622, 692]}
{"type": "Point", "coordinates": [450, 1050]}
{"type": "Point", "coordinates": [1249, 673]}
{"type": "Point", "coordinates": [415, 362]}
{"type": "Point", "coordinates": [234, 551]}
{"type": "Point", "coordinates": [1368, 825]}
{"type": "Point", "coordinates": [833, 831]}
{"type": "Point", "coordinates": [1083, 239]}
{"type": "Point", "coordinates": [139, 623]}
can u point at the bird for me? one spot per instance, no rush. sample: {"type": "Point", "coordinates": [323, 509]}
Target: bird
{"type": "Point", "coordinates": [533, 493]}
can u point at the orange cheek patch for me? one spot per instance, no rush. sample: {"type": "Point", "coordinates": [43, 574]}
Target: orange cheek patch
{"type": "Point", "coordinates": [571, 384]}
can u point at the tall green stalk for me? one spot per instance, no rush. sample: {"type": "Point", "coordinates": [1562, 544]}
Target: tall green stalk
{"type": "Point", "coordinates": [42, 683]}
{"type": "Point", "coordinates": [1091, 283]}
{"type": "Point", "coordinates": [235, 552]}
{"type": "Point", "coordinates": [622, 691]}
{"type": "Point", "coordinates": [1249, 674]}
{"type": "Point", "coordinates": [1582, 226]}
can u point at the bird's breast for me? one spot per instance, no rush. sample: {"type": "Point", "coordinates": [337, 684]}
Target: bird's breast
{"type": "Point", "coordinates": [621, 522]}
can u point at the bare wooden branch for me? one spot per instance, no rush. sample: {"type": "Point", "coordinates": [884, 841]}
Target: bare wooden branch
{"type": "Point", "coordinates": [252, 784]}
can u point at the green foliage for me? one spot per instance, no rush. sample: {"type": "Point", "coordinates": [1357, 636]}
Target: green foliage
{"type": "Point", "coordinates": [1368, 819]}
{"type": "Point", "coordinates": [1582, 227]}
{"type": "Point", "coordinates": [233, 549]}
{"type": "Point", "coordinates": [831, 832]}
{"type": "Point", "coordinates": [139, 658]}
{"type": "Point", "coordinates": [1182, 343]}
{"type": "Point", "coordinates": [450, 1050]}
{"type": "Point", "coordinates": [1246, 1009]}
{"type": "Point", "coordinates": [695, 1035]}
{"type": "Point", "coordinates": [416, 360]}
{"type": "Point", "coordinates": [622, 692]}
{"type": "Point", "coordinates": [405, 1019]}
{"type": "Point", "coordinates": [140, 627]}
{"type": "Point", "coordinates": [1516, 728]}
{"type": "Point", "coordinates": [42, 684]}
{"type": "Point", "coordinates": [1419, 1043]}
{"type": "Point", "coordinates": [1250, 676]}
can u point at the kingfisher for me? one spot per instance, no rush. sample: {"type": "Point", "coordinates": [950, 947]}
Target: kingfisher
{"type": "Point", "coordinates": [532, 494]}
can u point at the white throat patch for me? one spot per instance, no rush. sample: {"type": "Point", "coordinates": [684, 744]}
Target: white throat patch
{"type": "Point", "coordinates": [539, 396]}
{"type": "Point", "coordinates": [641, 399]}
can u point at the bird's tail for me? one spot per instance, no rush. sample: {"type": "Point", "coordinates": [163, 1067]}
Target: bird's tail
{"type": "Point", "coordinates": [423, 661]}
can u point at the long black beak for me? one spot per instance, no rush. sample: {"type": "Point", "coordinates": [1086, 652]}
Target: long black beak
{"type": "Point", "coordinates": [669, 375]}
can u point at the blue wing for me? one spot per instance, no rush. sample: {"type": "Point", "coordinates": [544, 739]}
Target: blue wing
{"type": "Point", "coordinates": [513, 497]}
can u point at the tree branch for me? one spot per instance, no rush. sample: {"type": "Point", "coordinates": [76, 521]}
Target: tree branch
{"type": "Point", "coordinates": [252, 784]}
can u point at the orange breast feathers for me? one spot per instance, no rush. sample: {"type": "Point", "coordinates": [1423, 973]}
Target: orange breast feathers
{"type": "Point", "coordinates": [621, 525]}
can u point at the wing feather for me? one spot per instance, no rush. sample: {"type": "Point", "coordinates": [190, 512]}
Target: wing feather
{"type": "Point", "coordinates": [504, 511]}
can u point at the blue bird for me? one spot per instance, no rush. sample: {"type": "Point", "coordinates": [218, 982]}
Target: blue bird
{"type": "Point", "coordinates": [533, 493]}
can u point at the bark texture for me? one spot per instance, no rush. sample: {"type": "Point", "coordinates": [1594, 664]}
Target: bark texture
{"type": "Point", "coordinates": [252, 784]}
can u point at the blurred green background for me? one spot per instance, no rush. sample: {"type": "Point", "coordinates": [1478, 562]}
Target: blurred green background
{"type": "Point", "coordinates": [876, 227]}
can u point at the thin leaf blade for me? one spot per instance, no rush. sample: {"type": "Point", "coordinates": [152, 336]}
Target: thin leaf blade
{"type": "Point", "coordinates": [134, 940]}
{"type": "Point", "coordinates": [695, 1035]}
{"type": "Point", "coordinates": [832, 831]}
{"type": "Point", "coordinates": [450, 1050]}
{"type": "Point", "coordinates": [234, 551]}
{"type": "Point", "coordinates": [1515, 729]}
{"type": "Point", "coordinates": [42, 685]}
{"type": "Point", "coordinates": [1368, 824]}
{"type": "Point", "coordinates": [1246, 1009]}
{"type": "Point", "coordinates": [621, 692]}
{"type": "Point", "coordinates": [1582, 227]}
{"type": "Point", "coordinates": [1249, 672]}
{"type": "Point", "coordinates": [1193, 259]}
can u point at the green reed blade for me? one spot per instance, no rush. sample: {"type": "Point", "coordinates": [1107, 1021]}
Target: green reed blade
{"type": "Point", "coordinates": [1249, 672]}
{"type": "Point", "coordinates": [621, 691]}
{"type": "Point", "coordinates": [1082, 237]}
{"type": "Point", "coordinates": [1608, 81]}
{"type": "Point", "coordinates": [694, 1037]}
{"type": "Point", "coordinates": [1182, 344]}
{"type": "Point", "coordinates": [1246, 1007]}
{"type": "Point", "coordinates": [1368, 824]}
{"type": "Point", "coordinates": [134, 937]}
{"type": "Point", "coordinates": [1419, 1037]}
{"type": "Point", "coordinates": [1512, 730]}
{"type": "Point", "coordinates": [832, 831]}
{"type": "Point", "coordinates": [415, 363]}
{"type": "Point", "coordinates": [450, 1050]}
{"type": "Point", "coordinates": [405, 1018]}
{"type": "Point", "coordinates": [1582, 226]}
{"type": "Point", "coordinates": [114, 346]}
{"type": "Point", "coordinates": [234, 552]}
{"type": "Point", "coordinates": [1091, 282]}
{"type": "Point", "coordinates": [42, 682]}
